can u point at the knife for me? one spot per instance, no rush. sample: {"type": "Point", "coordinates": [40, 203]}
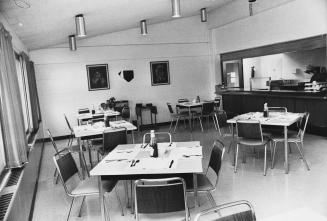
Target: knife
{"type": "Point", "coordinates": [171, 163]}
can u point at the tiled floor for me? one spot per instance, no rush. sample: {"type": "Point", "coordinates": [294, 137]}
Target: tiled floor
{"type": "Point", "coordinates": [270, 195]}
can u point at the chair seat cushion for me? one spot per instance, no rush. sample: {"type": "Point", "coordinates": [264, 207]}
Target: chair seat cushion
{"type": "Point", "coordinates": [252, 142]}
{"type": "Point", "coordinates": [90, 186]}
{"type": "Point", "coordinates": [204, 183]}
{"type": "Point", "coordinates": [292, 135]}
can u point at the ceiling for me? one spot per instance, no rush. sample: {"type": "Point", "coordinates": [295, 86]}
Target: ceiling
{"type": "Point", "coordinates": [49, 22]}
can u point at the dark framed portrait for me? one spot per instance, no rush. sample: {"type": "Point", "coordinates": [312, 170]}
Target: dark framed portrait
{"type": "Point", "coordinates": [159, 73]}
{"type": "Point", "coordinates": [98, 77]}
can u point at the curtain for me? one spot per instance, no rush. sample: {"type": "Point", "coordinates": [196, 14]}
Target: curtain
{"type": "Point", "coordinates": [11, 115]}
{"type": "Point", "coordinates": [35, 107]}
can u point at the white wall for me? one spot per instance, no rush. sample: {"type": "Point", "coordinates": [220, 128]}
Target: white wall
{"type": "Point", "coordinates": [293, 20]}
{"type": "Point", "coordinates": [62, 79]}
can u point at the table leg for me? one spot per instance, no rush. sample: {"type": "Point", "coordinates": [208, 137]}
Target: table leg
{"type": "Point", "coordinates": [195, 188]}
{"type": "Point", "coordinates": [133, 140]}
{"type": "Point", "coordinates": [80, 157]}
{"type": "Point", "coordinates": [102, 208]}
{"type": "Point", "coordinates": [190, 118]}
{"type": "Point", "coordinates": [230, 145]}
{"type": "Point", "coordinates": [286, 149]}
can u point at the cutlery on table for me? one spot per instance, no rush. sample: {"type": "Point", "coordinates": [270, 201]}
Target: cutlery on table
{"type": "Point", "coordinates": [171, 163]}
{"type": "Point", "coordinates": [108, 161]}
{"type": "Point", "coordinates": [192, 155]}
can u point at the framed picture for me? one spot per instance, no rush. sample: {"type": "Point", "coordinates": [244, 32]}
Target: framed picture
{"type": "Point", "coordinates": [98, 77]}
{"type": "Point", "coordinates": [159, 73]}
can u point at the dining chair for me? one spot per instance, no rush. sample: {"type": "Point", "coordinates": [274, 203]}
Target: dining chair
{"type": "Point", "coordinates": [154, 196]}
{"type": "Point", "coordinates": [83, 111]}
{"type": "Point", "coordinates": [208, 110]}
{"type": "Point", "coordinates": [71, 136]}
{"type": "Point", "coordinates": [160, 136]}
{"type": "Point", "coordinates": [75, 187]}
{"type": "Point", "coordinates": [296, 138]}
{"type": "Point", "coordinates": [176, 117]}
{"type": "Point", "coordinates": [206, 184]}
{"type": "Point", "coordinates": [126, 113]}
{"type": "Point", "coordinates": [198, 115]}
{"type": "Point", "coordinates": [72, 148]}
{"type": "Point", "coordinates": [217, 102]}
{"type": "Point", "coordinates": [277, 109]}
{"type": "Point", "coordinates": [241, 210]}
{"type": "Point", "coordinates": [111, 139]}
{"type": "Point", "coordinates": [249, 133]}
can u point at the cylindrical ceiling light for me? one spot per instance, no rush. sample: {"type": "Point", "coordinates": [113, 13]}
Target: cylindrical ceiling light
{"type": "Point", "coordinates": [250, 6]}
{"type": "Point", "coordinates": [176, 8]}
{"type": "Point", "coordinates": [144, 29]}
{"type": "Point", "coordinates": [203, 12]}
{"type": "Point", "coordinates": [72, 42]}
{"type": "Point", "coordinates": [80, 25]}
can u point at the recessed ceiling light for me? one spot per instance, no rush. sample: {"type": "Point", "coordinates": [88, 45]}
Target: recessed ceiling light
{"type": "Point", "coordinates": [20, 24]}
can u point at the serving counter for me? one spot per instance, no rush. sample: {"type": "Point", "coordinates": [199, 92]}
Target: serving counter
{"type": "Point", "coordinates": [237, 102]}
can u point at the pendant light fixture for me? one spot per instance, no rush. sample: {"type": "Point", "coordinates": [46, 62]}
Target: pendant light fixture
{"type": "Point", "coordinates": [72, 42]}
{"type": "Point", "coordinates": [176, 8]}
{"type": "Point", "coordinates": [80, 25]}
{"type": "Point", "coordinates": [203, 12]}
{"type": "Point", "coordinates": [144, 29]}
{"type": "Point", "coordinates": [250, 6]}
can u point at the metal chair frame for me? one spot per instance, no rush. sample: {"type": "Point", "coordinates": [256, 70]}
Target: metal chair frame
{"type": "Point", "coordinates": [71, 136]}
{"type": "Point", "coordinates": [225, 206]}
{"type": "Point", "coordinates": [160, 183]}
{"type": "Point", "coordinates": [277, 109]}
{"type": "Point", "coordinates": [176, 116]}
{"type": "Point", "coordinates": [217, 144]}
{"type": "Point", "coordinates": [262, 142]}
{"type": "Point", "coordinates": [56, 157]}
{"type": "Point", "coordinates": [296, 140]}
{"type": "Point", "coordinates": [157, 133]}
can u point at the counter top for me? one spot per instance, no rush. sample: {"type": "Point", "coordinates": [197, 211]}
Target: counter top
{"type": "Point", "coordinates": [284, 93]}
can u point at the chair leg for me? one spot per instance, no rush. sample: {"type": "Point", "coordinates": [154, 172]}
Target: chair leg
{"type": "Point", "coordinates": [218, 124]}
{"type": "Point", "coordinates": [201, 124]}
{"type": "Point", "coordinates": [265, 162]}
{"type": "Point", "coordinates": [300, 147]}
{"type": "Point", "coordinates": [120, 204]}
{"type": "Point", "coordinates": [70, 209]}
{"type": "Point", "coordinates": [176, 124]}
{"type": "Point", "coordinates": [80, 209]}
{"type": "Point", "coordinates": [273, 155]}
{"type": "Point", "coordinates": [214, 121]}
{"type": "Point", "coordinates": [236, 156]}
{"type": "Point", "coordinates": [171, 124]}
{"type": "Point", "coordinates": [90, 157]}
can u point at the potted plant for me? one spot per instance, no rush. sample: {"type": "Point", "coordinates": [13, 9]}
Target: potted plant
{"type": "Point", "coordinates": [111, 102]}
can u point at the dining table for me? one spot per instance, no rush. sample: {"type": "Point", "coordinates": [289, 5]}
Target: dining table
{"type": "Point", "coordinates": [89, 116]}
{"type": "Point", "coordinates": [282, 119]}
{"type": "Point", "coordinates": [135, 161]}
{"type": "Point", "coordinates": [91, 131]}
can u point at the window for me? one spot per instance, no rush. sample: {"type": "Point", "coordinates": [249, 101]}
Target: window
{"type": "Point", "coordinates": [2, 153]}
{"type": "Point", "coordinates": [22, 91]}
